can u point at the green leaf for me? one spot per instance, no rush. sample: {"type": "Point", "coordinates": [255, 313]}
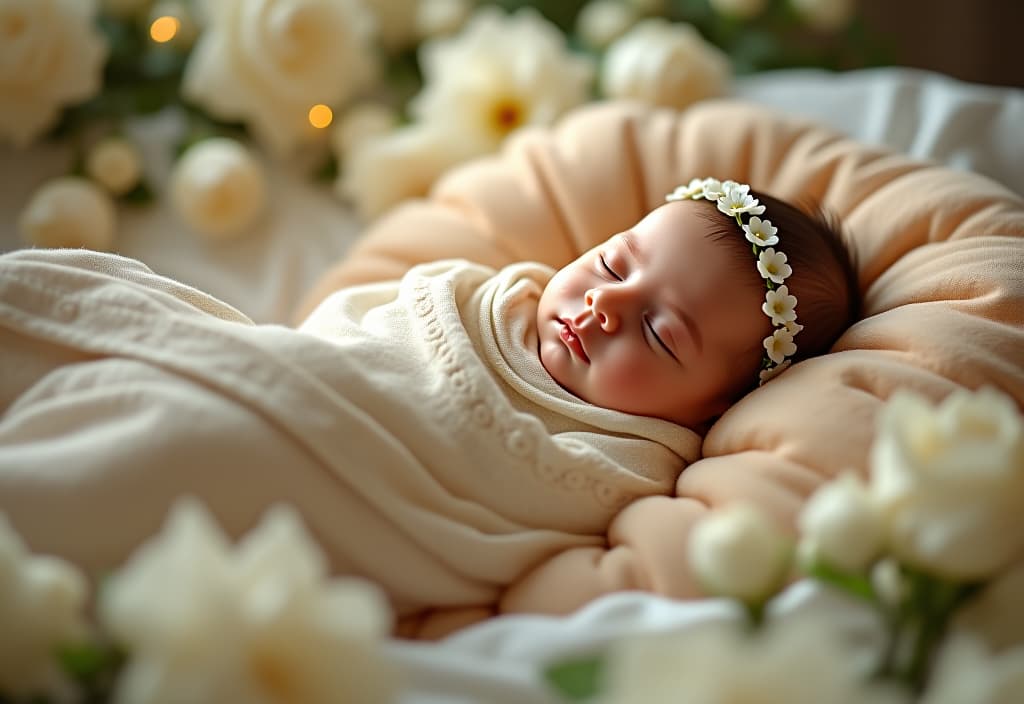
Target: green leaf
{"type": "Point", "coordinates": [858, 585]}
{"type": "Point", "coordinates": [85, 660]}
{"type": "Point", "coordinates": [577, 680]}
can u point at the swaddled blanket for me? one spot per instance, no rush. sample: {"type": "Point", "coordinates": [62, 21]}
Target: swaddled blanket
{"type": "Point", "coordinates": [410, 422]}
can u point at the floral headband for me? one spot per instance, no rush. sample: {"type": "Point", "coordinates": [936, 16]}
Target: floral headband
{"type": "Point", "coordinates": [734, 200]}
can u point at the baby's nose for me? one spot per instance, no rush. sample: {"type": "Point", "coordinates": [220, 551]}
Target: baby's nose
{"type": "Point", "coordinates": [602, 309]}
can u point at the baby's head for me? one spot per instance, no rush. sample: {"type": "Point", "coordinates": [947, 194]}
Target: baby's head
{"type": "Point", "coordinates": [668, 319]}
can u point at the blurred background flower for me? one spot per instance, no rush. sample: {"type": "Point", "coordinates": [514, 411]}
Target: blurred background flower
{"type": "Point", "coordinates": [377, 96]}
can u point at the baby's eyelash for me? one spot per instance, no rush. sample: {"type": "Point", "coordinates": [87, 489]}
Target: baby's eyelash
{"type": "Point", "coordinates": [650, 326]}
{"type": "Point", "coordinates": [607, 268]}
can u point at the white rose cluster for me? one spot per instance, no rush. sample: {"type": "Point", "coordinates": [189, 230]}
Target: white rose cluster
{"type": "Point", "coordinates": [51, 56]}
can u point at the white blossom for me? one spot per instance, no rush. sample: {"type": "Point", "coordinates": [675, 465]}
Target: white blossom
{"type": "Point", "coordinates": [761, 232]}
{"type": "Point", "coordinates": [51, 56]}
{"type": "Point", "coordinates": [780, 306]}
{"type": "Point", "coordinates": [664, 63]}
{"type": "Point", "coordinates": [42, 600]}
{"type": "Point", "coordinates": [500, 73]}
{"type": "Point", "coordinates": [218, 188]}
{"type": "Point", "coordinates": [267, 62]}
{"type": "Point", "coordinates": [205, 621]}
{"type": "Point", "coordinates": [766, 375]}
{"type": "Point", "coordinates": [69, 211]}
{"type": "Point", "coordinates": [403, 164]}
{"type": "Point", "coordinates": [115, 164]}
{"type": "Point", "coordinates": [737, 199]}
{"type": "Point", "coordinates": [950, 479]}
{"type": "Point", "coordinates": [772, 265]}
{"type": "Point", "coordinates": [693, 190]}
{"type": "Point", "coordinates": [841, 526]}
{"type": "Point", "coordinates": [737, 552]}
{"type": "Point", "coordinates": [600, 22]}
{"type": "Point", "coordinates": [779, 345]}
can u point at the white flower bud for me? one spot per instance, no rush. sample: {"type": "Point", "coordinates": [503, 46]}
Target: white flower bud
{"type": "Point", "coordinates": [69, 212]}
{"type": "Point", "coordinates": [114, 163]}
{"type": "Point", "coordinates": [218, 188]}
{"type": "Point", "coordinates": [842, 526]}
{"type": "Point", "coordinates": [737, 552]}
{"type": "Point", "coordinates": [601, 22]}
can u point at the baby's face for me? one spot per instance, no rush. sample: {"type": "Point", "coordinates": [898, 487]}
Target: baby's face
{"type": "Point", "coordinates": [659, 320]}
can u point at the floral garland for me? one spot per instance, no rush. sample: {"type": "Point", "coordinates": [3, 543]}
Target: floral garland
{"type": "Point", "coordinates": [734, 200]}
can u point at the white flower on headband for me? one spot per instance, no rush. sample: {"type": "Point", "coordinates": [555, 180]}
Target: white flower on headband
{"type": "Point", "coordinates": [715, 189]}
{"type": "Point", "coordinates": [761, 232]}
{"type": "Point", "coordinates": [773, 266]}
{"type": "Point", "coordinates": [794, 327]}
{"type": "Point", "coordinates": [779, 345]}
{"type": "Point", "coordinates": [695, 190]}
{"type": "Point", "coordinates": [737, 199]}
{"type": "Point", "coordinates": [773, 371]}
{"type": "Point", "coordinates": [780, 307]}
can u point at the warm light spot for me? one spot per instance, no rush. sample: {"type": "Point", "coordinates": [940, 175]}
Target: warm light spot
{"type": "Point", "coordinates": [507, 115]}
{"type": "Point", "coordinates": [164, 28]}
{"type": "Point", "coordinates": [320, 116]}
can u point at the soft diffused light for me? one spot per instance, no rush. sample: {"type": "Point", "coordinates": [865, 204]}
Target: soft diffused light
{"type": "Point", "coordinates": [164, 28]}
{"type": "Point", "coordinates": [320, 116]}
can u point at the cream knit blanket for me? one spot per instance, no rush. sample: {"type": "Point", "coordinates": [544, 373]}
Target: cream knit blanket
{"type": "Point", "coordinates": [410, 422]}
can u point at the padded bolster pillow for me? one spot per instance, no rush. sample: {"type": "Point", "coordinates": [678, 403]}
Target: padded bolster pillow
{"type": "Point", "coordinates": [940, 260]}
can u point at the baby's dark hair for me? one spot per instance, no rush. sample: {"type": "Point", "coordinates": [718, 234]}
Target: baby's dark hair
{"type": "Point", "coordinates": [824, 278]}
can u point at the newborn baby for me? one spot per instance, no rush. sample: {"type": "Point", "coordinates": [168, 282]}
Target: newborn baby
{"type": "Point", "coordinates": [453, 435]}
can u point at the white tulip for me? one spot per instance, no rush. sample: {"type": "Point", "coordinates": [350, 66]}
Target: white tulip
{"type": "Point", "coordinates": [664, 63]}
{"type": "Point", "coordinates": [841, 526]}
{"type": "Point", "coordinates": [69, 212]}
{"type": "Point", "coordinates": [391, 168]}
{"type": "Point", "coordinates": [115, 164]}
{"type": "Point", "coordinates": [825, 15]}
{"type": "Point", "coordinates": [219, 188]}
{"type": "Point", "coordinates": [51, 56]}
{"type": "Point", "coordinates": [798, 661]}
{"type": "Point", "coordinates": [738, 552]}
{"type": "Point", "coordinates": [600, 22]}
{"type": "Point", "coordinates": [500, 73]}
{"type": "Point", "coordinates": [437, 18]}
{"type": "Point", "coordinates": [42, 602]}
{"type": "Point", "coordinates": [204, 621]}
{"type": "Point", "coordinates": [267, 62]}
{"type": "Point", "coordinates": [739, 9]}
{"type": "Point", "coordinates": [359, 124]}
{"type": "Point", "coordinates": [950, 481]}
{"type": "Point", "coordinates": [967, 672]}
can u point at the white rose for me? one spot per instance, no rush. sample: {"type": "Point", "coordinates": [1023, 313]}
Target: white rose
{"type": "Point", "coordinates": [664, 63]}
{"type": "Point", "coordinates": [739, 9]}
{"type": "Point", "coordinates": [404, 164]}
{"type": "Point", "coordinates": [69, 212]}
{"type": "Point", "coordinates": [436, 18]}
{"type": "Point", "coordinates": [51, 56]}
{"type": "Point", "coordinates": [218, 187]}
{"type": "Point", "coordinates": [500, 73]}
{"type": "Point", "coordinates": [115, 164]}
{"type": "Point", "coordinates": [359, 124]}
{"type": "Point", "coordinates": [966, 672]}
{"type": "Point", "coordinates": [841, 526]}
{"type": "Point", "coordinates": [600, 22]}
{"type": "Point", "coordinates": [42, 602]}
{"type": "Point", "coordinates": [267, 62]}
{"type": "Point", "coordinates": [797, 661]}
{"type": "Point", "coordinates": [256, 622]}
{"type": "Point", "coordinates": [825, 15]}
{"type": "Point", "coordinates": [739, 553]}
{"type": "Point", "coordinates": [950, 481]}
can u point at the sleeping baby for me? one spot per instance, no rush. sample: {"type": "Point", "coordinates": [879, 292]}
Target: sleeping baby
{"type": "Point", "coordinates": [453, 436]}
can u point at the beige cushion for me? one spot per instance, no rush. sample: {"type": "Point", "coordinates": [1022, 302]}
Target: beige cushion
{"type": "Point", "coordinates": [940, 262]}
